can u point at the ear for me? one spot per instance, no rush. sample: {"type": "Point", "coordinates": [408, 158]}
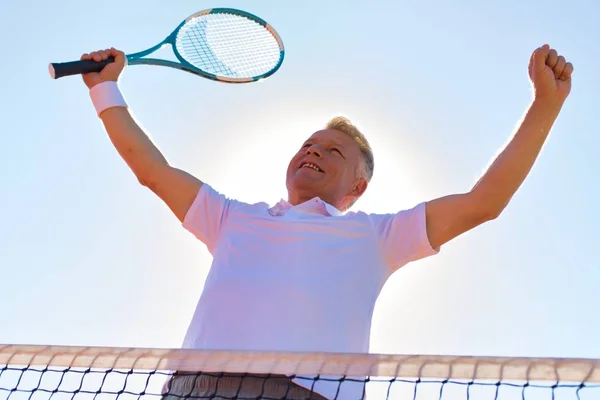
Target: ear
{"type": "Point", "coordinates": [357, 190]}
{"type": "Point", "coordinates": [360, 186]}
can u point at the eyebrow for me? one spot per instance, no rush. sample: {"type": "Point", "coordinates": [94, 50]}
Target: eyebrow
{"type": "Point", "coordinates": [329, 142]}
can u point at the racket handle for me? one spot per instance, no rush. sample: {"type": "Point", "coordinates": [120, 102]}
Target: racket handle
{"type": "Point", "coordinates": [59, 70]}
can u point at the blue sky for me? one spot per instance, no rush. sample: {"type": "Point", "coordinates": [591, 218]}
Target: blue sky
{"type": "Point", "coordinates": [89, 257]}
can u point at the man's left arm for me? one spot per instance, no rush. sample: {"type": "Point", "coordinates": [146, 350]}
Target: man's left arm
{"type": "Point", "coordinates": [450, 216]}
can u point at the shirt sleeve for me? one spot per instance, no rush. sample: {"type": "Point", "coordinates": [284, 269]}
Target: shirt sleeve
{"type": "Point", "coordinates": [403, 236]}
{"type": "Point", "coordinates": [207, 215]}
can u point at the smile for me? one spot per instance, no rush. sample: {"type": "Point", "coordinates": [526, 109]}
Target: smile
{"type": "Point", "coordinates": [310, 165]}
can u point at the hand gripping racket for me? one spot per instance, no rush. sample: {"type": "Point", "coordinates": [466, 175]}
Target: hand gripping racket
{"type": "Point", "coordinates": [221, 44]}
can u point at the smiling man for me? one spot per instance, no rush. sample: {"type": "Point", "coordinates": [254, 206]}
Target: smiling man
{"type": "Point", "coordinates": [343, 161]}
{"type": "Point", "coordinates": [304, 274]}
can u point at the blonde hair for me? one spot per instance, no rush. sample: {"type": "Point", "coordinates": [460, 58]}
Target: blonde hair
{"type": "Point", "coordinates": [344, 125]}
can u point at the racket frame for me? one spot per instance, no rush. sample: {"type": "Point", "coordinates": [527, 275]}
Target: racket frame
{"type": "Point", "coordinates": [140, 58]}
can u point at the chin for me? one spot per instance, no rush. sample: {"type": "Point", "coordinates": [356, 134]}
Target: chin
{"type": "Point", "coordinates": [302, 186]}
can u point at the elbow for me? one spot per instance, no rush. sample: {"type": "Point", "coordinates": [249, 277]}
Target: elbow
{"type": "Point", "coordinates": [493, 209]}
{"type": "Point", "coordinates": [142, 181]}
{"type": "Point", "coordinates": [490, 213]}
{"type": "Point", "coordinates": [147, 177]}
{"type": "Point", "coordinates": [145, 180]}
{"type": "Point", "coordinates": [488, 208]}
{"type": "Point", "coordinates": [147, 183]}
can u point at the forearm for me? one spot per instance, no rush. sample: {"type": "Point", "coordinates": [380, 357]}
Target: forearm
{"type": "Point", "coordinates": [131, 142]}
{"type": "Point", "coordinates": [508, 171]}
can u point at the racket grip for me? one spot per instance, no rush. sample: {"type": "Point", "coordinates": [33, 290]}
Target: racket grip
{"type": "Point", "coordinates": [59, 70]}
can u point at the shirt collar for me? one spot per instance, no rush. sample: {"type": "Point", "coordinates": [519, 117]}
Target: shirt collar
{"type": "Point", "coordinates": [313, 206]}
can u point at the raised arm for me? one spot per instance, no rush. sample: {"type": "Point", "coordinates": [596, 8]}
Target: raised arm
{"type": "Point", "coordinates": [176, 188]}
{"type": "Point", "coordinates": [451, 216]}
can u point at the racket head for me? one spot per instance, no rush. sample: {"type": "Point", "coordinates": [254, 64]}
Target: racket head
{"type": "Point", "coordinates": [228, 45]}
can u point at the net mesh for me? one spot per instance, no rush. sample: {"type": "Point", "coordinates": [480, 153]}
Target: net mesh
{"type": "Point", "coordinates": [61, 373]}
{"type": "Point", "coordinates": [228, 45]}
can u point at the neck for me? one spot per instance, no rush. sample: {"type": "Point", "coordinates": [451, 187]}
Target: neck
{"type": "Point", "coordinates": [295, 199]}
{"type": "Point", "coordinates": [299, 198]}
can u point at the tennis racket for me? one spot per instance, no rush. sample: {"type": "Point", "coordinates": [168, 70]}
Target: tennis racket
{"type": "Point", "coordinates": [222, 44]}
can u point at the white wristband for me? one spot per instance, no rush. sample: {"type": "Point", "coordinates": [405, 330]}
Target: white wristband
{"type": "Point", "coordinates": [106, 95]}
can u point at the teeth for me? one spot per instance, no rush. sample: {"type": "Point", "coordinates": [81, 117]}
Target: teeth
{"type": "Point", "coordinates": [313, 166]}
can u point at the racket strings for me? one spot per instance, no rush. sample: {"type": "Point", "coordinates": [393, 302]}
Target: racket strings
{"type": "Point", "coordinates": [198, 53]}
{"type": "Point", "coordinates": [257, 42]}
{"type": "Point", "coordinates": [228, 45]}
{"type": "Point", "coordinates": [231, 44]}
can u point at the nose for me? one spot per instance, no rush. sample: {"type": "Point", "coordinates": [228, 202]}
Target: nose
{"type": "Point", "coordinates": [314, 150]}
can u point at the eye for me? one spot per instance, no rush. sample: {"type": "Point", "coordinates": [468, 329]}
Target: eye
{"type": "Point", "coordinates": [336, 150]}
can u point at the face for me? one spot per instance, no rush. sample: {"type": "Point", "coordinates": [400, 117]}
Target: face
{"type": "Point", "coordinates": [326, 166]}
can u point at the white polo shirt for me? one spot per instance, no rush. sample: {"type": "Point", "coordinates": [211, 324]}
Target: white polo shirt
{"type": "Point", "coordinates": [295, 278]}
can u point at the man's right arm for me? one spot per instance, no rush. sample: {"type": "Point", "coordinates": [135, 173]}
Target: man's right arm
{"type": "Point", "coordinates": [176, 188]}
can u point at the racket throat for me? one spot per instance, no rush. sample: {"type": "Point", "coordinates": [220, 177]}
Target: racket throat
{"type": "Point", "coordinates": [135, 57]}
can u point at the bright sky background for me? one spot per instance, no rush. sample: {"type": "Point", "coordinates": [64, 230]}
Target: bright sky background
{"type": "Point", "coordinates": [89, 257]}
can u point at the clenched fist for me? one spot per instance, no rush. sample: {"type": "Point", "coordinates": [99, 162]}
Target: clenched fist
{"type": "Point", "coordinates": [550, 74]}
{"type": "Point", "coordinates": [110, 72]}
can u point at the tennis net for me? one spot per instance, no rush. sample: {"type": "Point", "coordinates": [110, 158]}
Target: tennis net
{"type": "Point", "coordinates": [101, 373]}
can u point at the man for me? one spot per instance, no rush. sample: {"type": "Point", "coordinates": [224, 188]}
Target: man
{"type": "Point", "coordinates": [304, 274]}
